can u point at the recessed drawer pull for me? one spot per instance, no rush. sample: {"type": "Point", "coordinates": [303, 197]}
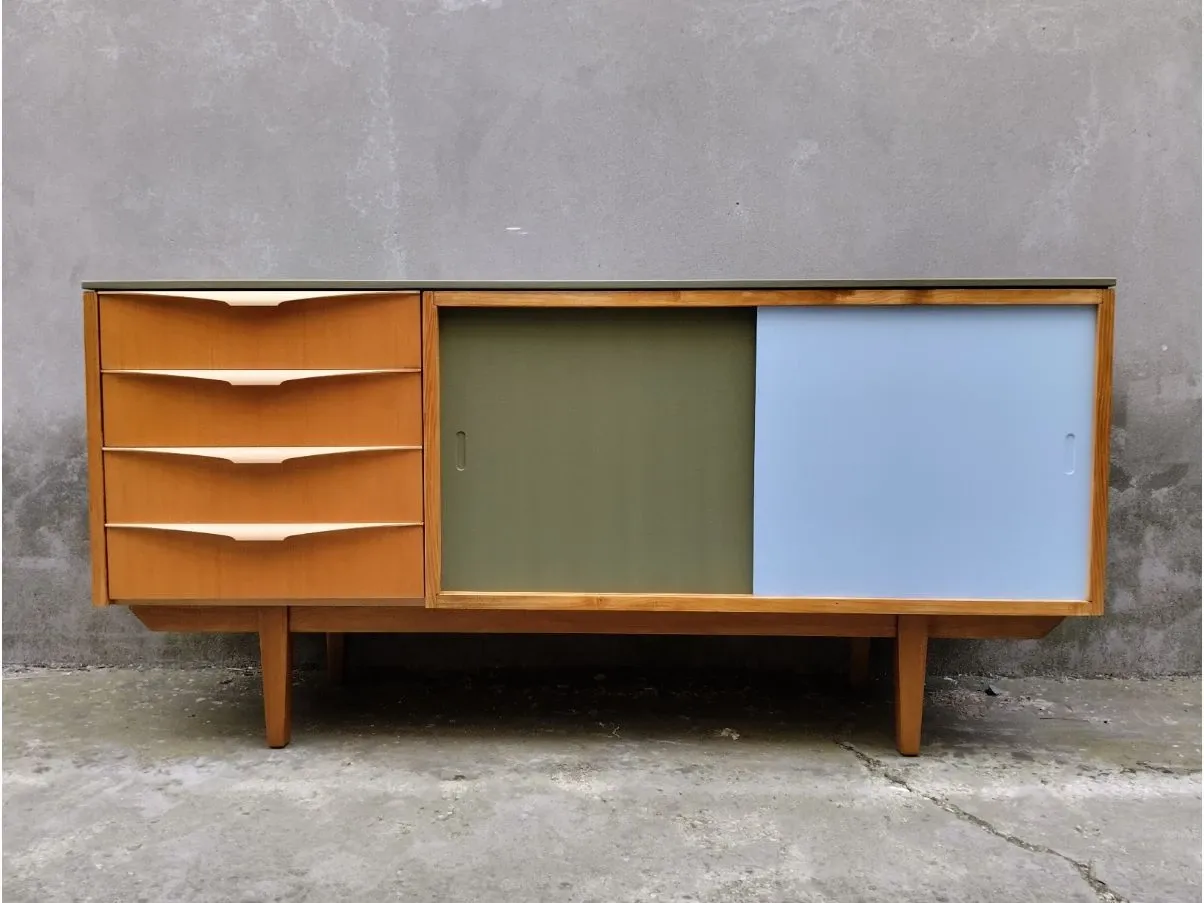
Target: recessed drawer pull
{"type": "Point", "coordinates": [260, 377]}
{"type": "Point", "coordinates": [267, 455]}
{"type": "Point", "coordinates": [257, 532]}
{"type": "Point", "coordinates": [246, 298]}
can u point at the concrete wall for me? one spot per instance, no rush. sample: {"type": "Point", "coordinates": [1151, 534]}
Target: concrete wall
{"type": "Point", "coordinates": [760, 138]}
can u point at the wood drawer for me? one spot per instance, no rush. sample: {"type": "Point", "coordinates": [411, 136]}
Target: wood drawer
{"type": "Point", "coordinates": [363, 563]}
{"type": "Point", "coordinates": [360, 409]}
{"type": "Point", "coordinates": [373, 486]}
{"type": "Point", "coordinates": [335, 330]}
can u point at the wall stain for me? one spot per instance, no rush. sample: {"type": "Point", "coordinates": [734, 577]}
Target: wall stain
{"type": "Point", "coordinates": [45, 510]}
{"type": "Point", "coordinates": [1165, 479]}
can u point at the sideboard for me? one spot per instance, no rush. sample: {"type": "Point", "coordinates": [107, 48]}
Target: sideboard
{"type": "Point", "coordinates": [900, 459]}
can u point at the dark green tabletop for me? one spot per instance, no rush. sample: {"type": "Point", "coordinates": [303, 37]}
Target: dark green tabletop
{"type": "Point", "coordinates": [133, 285]}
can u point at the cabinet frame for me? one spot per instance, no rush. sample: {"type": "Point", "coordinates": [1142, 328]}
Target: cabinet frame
{"type": "Point", "coordinates": [907, 624]}
{"type": "Point", "coordinates": [1091, 603]}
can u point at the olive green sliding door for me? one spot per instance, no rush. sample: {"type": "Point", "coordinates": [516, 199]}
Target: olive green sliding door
{"type": "Point", "coordinates": [597, 450]}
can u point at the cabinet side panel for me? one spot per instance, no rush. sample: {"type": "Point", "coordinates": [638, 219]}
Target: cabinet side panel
{"type": "Point", "coordinates": [95, 445]}
{"type": "Point", "coordinates": [1102, 464]}
{"type": "Point", "coordinates": [431, 502]}
{"type": "Point", "coordinates": [941, 453]}
{"type": "Point", "coordinates": [597, 450]}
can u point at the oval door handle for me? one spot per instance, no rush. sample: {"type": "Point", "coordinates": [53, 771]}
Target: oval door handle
{"type": "Point", "coordinates": [461, 450]}
{"type": "Point", "coordinates": [247, 298]}
{"type": "Point", "coordinates": [266, 454]}
{"type": "Point", "coordinates": [261, 377]}
{"type": "Point", "coordinates": [258, 532]}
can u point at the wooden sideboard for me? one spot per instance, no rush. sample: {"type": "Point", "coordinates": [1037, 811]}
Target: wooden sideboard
{"type": "Point", "coordinates": [898, 459]}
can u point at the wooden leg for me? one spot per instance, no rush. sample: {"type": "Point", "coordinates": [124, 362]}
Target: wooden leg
{"type": "Point", "coordinates": [859, 661]}
{"type": "Point", "coordinates": [275, 658]}
{"type": "Point", "coordinates": [911, 660]}
{"type": "Point", "coordinates": [336, 645]}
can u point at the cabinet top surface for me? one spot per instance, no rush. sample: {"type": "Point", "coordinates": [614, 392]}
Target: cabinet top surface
{"type": "Point", "coordinates": [571, 285]}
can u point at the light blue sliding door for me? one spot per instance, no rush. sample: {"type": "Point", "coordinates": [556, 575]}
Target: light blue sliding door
{"type": "Point", "coordinates": [932, 452]}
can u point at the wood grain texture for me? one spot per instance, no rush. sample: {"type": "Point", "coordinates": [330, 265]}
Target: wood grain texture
{"type": "Point", "coordinates": [911, 665]}
{"type": "Point", "coordinates": [764, 298]}
{"type": "Point", "coordinates": [373, 330]}
{"type": "Point", "coordinates": [276, 663]}
{"type": "Point", "coordinates": [1098, 565]}
{"type": "Point", "coordinates": [382, 619]}
{"type": "Point", "coordinates": [95, 438]}
{"type": "Point", "coordinates": [982, 628]}
{"type": "Point", "coordinates": [356, 617]}
{"type": "Point", "coordinates": [373, 409]}
{"type": "Point", "coordinates": [357, 564]}
{"type": "Point", "coordinates": [270, 601]}
{"type": "Point", "coordinates": [364, 486]}
{"type": "Point", "coordinates": [749, 603]}
{"type": "Point", "coordinates": [198, 619]}
{"type": "Point", "coordinates": [432, 501]}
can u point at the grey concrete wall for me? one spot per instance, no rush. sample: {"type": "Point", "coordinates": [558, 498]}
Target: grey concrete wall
{"type": "Point", "coordinates": [759, 138]}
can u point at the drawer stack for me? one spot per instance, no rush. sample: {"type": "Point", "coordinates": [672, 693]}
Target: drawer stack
{"type": "Point", "coordinates": [262, 445]}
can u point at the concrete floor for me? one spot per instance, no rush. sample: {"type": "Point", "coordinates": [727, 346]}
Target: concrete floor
{"type": "Point", "coordinates": [154, 785]}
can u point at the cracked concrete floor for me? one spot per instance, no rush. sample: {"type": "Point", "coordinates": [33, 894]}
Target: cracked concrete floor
{"type": "Point", "coordinates": [148, 785]}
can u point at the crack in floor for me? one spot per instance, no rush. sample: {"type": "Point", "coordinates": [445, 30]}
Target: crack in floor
{"type": "Point", "coordinates": [1085, 869]}
{"type": "Point", "coordinates": [1153, 768]}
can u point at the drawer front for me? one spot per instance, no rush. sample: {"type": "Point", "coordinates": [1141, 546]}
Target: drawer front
{"type": "Point", "coordinates": [365, 486]}
{"type": "Point", "coordinates": [372, 330]}
{"type": "Point", "coordinates": [372, 563]}
{"type": "Point", "coordinates": [364, 409]}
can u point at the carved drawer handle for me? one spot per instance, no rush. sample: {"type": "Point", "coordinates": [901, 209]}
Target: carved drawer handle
{"type": "Point", "coordinates": [261, 377]}
{"type": "Point", "coordinates": [259, 532]}
{"type": "Point", "coordinates": [266, 454]}
{"type": "Point", "coordinates": [268, 298]}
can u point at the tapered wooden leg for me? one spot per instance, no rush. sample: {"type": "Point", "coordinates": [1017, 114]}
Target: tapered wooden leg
{"type": "Point", "coordinates": [911, 661]}
{"type": "Point", "coordinates": [859, 661]}
{"type": "Point", "coordinates": [275, 658]}
{"type": "Point", "coordinates": [336, 645]}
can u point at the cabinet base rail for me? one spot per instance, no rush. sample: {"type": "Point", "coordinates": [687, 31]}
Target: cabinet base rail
{"type": "Point", "coordinates": [276, 625]}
